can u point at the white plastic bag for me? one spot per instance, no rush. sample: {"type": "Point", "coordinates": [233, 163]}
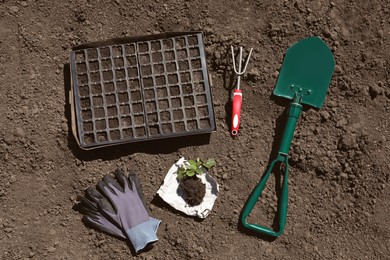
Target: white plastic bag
{"type": "Point", "coordinates": [169, 192]}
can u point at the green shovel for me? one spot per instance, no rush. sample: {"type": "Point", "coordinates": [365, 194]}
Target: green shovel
{"type": "Point", "coordinates": [304, 78]}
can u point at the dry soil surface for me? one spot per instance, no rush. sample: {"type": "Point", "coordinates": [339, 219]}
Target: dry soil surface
{"type": "Point", "coordinates": [339, 196]}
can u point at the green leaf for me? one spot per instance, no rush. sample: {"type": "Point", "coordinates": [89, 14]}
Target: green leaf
{"type": "Point", "coordinates": [210, 163]}
{"type": "Point", "coordinates": [192, 167]}
{"type": "Point", "coordinates": [190, 173]}
{"type": "Point", "coordinates": [181, 170]}
{"type": "Point", "coordinates": [199, 171]}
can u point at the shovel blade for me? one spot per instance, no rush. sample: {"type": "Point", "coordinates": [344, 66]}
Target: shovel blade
{"type": "Point", "coordinates": [308, 64]}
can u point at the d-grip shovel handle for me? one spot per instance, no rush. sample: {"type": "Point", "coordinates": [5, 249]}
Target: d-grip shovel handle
{"type": "Point", "coordinates": [256, 193]}
{"type": "Point", "coordinates": [293, 115]}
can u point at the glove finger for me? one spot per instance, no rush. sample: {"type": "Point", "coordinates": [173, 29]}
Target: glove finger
{"type": "Point", "coordinates": [105, 204]}
{"type": "Point", "coordinates": [103, 225]}
{"type": "Point", "coordinates": [134, 182]}
{"type": "Point", "coordinates": [112, 183]}
{"type": "Point", "coordinates": [84, 209]}
{"type": "Point", "coordinates": [86, 203]}
{"type": "Point", "coordinates": [107, 213]}
{"type": "Point", "coordinates": [136, 186]}
{"type": "Point", "coordinates": [105, 190]}
{"type": "Point", "coordinates": [93, 194]}
{"type": "Point", "coordinates": [121, 179]}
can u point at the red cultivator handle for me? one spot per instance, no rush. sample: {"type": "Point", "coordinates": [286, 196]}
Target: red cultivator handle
{"type": "Point", "coordinates": [236, 115]}
{"type": "Point", "coordinates": [237, 94]}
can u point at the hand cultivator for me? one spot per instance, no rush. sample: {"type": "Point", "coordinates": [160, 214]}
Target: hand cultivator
{"type": "Point", "coordinates": [237, 94]}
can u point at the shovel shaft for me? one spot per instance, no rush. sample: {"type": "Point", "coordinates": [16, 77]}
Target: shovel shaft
{"type": "Point", "coordinates": [294, 111]}
{"type": "Point", "coordinates": [236, 112]}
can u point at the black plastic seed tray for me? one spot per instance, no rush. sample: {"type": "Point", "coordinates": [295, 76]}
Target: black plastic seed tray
{"type": "Point", "coordinates": [138, 89]}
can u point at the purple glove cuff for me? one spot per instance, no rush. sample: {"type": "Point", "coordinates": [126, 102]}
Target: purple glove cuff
{"type": "Point", "coordinates": [143, 234]}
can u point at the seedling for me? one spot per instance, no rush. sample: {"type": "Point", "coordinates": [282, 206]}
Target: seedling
{"type": "Point", "coordinates": [193, 168]}
{"type": "Point", "coordinates": [193, 188]}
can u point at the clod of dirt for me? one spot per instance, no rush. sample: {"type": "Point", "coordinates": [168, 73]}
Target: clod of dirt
{"type": "Point", "coordinates": [14, 9]}
{"type": "Point", "coordinates": [375, 90]}
{"type": "Point", "coordinates": [341, 123]}
{"type": "Point", "coordinates": [347, 142]}
{"type": "Point", "coordinates": [324, 115]}
{"type": "Point", "coordinates": [194, 190]}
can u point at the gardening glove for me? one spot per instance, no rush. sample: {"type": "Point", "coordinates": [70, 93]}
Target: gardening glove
{"type": "Point", "coordinates": [130, 212]}
{"type": "Point", "coordinates": [93, 216]}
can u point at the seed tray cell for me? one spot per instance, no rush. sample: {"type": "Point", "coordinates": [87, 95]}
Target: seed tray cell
{"type": "Point", "coordinates": [146, 89]}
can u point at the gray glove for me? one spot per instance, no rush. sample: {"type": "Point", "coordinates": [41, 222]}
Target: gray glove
{"type": "Point", "coordinates": [130, 212]}
{"type": "Point", "coordinates": [93, 216]}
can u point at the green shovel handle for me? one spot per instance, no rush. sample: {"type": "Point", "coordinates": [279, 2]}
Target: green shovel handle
{"type": "Point", "coordinates": [294, 112]}
{"type": "Point", "coordinates": [257, 193]}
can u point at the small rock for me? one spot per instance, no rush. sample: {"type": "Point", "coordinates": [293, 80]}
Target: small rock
{"type": "Point", "coordinates": [14, 9]}
{"type": "Point", "coordinates": [78, 162]}
{"type": "Point", "coordinates": [343, 175]}
{"type": "Point", "coordinates": [32, 254]}
{"type": "Point", "coordinates": [325, 115]}
{"type": "Point", "coordinates": [380, 33]}
{"type": "Point", "coordinates": [8, 230]}
{"type": "Point", "coordinates": [23, 3]}
{"type": "Point", "coordinates": [12, 179]}
{"type": "Point", "coordinates": [347, 142]}
{"type": "Point", "coordinates": [338, 69]}
{"type": "Point", "coordinates": [200, 249]}
{"type": "Point", "coordinates": [332, 103]}
{"type": "Point", "coordinates": [300, 6]}
{"type": "Point", "coordinates": [375, 90]}
{"type": "Point", "coordinates": [310, 19]}
{"type": "Point", "coordinates": [19, 132]}
{"type": "Point", "coordinates": [51, 249]}
{"type": "Point", "coordinates": [217, 55]}
{"type": "Point", "coordinates": [341, 122]}
{"type": "Point", "coordinates": [225, 176]}
{"type": "Point", "coordinates": [327, 33]}
{"type": "Point", "coordinates": [167, 227]}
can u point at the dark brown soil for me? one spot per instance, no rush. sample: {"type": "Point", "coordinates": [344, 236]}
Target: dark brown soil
{"type": "Point", "coordinates": [194, 190]}
{"type": "Point", "coordinates": [339, 195]}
